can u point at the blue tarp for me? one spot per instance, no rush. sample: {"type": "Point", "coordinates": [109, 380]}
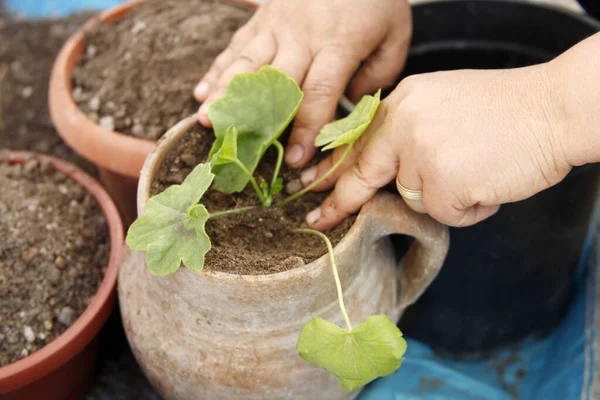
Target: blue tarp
{"type": "Point", "coordinates": [559, 367]}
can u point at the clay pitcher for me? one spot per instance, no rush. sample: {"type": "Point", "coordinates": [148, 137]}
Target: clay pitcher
{"type": "Point", "coordinates": [213, 335]}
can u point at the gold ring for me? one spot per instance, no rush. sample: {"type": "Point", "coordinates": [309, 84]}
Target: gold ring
{"type": "Point", "coordinates": [408, 194]}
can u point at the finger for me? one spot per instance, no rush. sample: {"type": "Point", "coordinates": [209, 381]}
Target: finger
{"type": "Point", "coordinates": [381, 70]}
{"type": "Point", "coordinates": [331, 163]}
{"type": "Point", "coordinates": [410, 179]}
{"type": "Point", "coordinates": [460, 217]}
{"type": "Point", "coordinates": [259, 52]}
{"type": "Point", "coordinates": [293, 60]}
{"type": "Point", "coordinates": [323, 87]}
{"type": "Point", "coordinates": [450, 204]}
{"type": "Point", "coordinates": [316, 172]}
{"type": "Point", "coordinates": [239, 40]}
{"type": "Point", "coordinates": [376, 167]}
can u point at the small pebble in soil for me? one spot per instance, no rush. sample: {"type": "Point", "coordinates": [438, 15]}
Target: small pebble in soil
{"type": "Point", "coordinates": [188, 159]}
{"type": "Point", "coordinates": [66, 316]}
{"type": "Point", "coordinates": [53, 274]}
{"type": "Point", "coordinates": [94, 103]}
{"type": "Point", "coordinates": [27, 92]}
{"type": "Point", "coordinates": [91, 51]}
{"type": "Point", "coordinates": [138, 26]}
{"type": "Point", "coordinates": [107, 123]}
{"type": "Point", "coordinates": [28, 334]}
{"type": "Point", "coordinates": [137, 130]}
{"type": "Point", "coordinates": [30, 165]}
{"type": "Point", "coordinates": [293, 186]}
{"type": "Point", "coordinates": [29, 255]}
{"type": "Point", "coordinates": [48, 325]}
{"type": "Point", "coordinates": [77, 93]}
{"type": "Point", "coordinates": [59, 262]}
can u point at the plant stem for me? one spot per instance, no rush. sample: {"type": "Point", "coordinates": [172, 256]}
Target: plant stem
{"type": "Point", "coordinates": [229, 212]}
{"type": "Point", "coordinates": [252, 181]}
{"type": "Point", "coordinates": [318, 181]}
{"type": "Point", "coordinates": [280, 152]}
{"type": "Point", "coordinates": [338, 284]}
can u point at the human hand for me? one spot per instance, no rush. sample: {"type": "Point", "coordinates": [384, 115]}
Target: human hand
{"type": "Point", "coordinates": [470, 140]}
{"type": "Point", "coordinates": [320, 44]}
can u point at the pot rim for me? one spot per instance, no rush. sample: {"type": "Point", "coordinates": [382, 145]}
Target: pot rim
{"type": "Point", "coordinates": [115, 151]}
{"type": "Point", "coordinates": [73, 340]}
{"type": "Point", "coordinates": [156, 158]}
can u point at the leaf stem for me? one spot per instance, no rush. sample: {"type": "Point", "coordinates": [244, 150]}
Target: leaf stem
{"type": "Point", "coordinates": [229, 212]}
{"type": "Point", "coordinates": [252, 181]}
{"type": "Point", "coordinates": [280, 152]}
{"type": "Point", "coordinates": [336, 276]}
{"type": "Point", "coordinates": [318, 181]}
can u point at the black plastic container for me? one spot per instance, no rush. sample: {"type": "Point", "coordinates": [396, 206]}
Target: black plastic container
{"type": "Point", "coordinates": [512, 275]}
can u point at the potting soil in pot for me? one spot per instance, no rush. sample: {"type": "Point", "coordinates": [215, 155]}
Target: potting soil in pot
{"type": "Point", "coordinates": [259, 241]}
{"type": "Point", "coordinates": [138, 74]}
{"type": "Point", "coordinates": [53, 254]}
{"type": "Point", "coordinates": [27, 51]}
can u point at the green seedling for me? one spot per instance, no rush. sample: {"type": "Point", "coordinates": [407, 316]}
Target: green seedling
{"type": "Point", "coordinates": [247, 121]}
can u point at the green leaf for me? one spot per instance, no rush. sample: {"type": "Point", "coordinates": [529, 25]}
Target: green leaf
{"type": "Point", "coordinates": [347, 130]}
{"type": "Point", "coordinates": [260, 106]}
{"type": "Point", "coordinates": [172, 230]}
{"type": "Point", "coordinates": [227, 152]}
{"type": "Point", "coordinates": [277, 187]}
{"type": "Point", "coordinates": [373, 349]}
{"type": "Point", "coordinates": [264, 186]}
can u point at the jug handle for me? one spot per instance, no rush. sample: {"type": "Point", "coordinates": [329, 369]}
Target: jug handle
{"type": "Point", "coordinates": [389, 214]}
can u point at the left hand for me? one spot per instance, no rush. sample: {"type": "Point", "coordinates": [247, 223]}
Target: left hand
{"type": "Point", "coordinates": [320, 44]}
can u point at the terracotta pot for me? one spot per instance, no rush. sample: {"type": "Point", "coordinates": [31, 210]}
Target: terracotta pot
{"type": "Point", "coordinates": [64, 368]}
{"type": "Point", "coordinates": [213, 335]}
{"type": "Point", "coordinates": [119, 157]}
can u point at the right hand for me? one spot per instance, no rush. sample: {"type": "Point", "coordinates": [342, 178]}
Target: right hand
{"type": "Point", "coordinates": [470, 140]}
{"type": "Point", "coordinates": [321, 44]}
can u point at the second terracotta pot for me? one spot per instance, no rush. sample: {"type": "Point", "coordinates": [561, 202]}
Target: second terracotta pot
{"type": "Point", "coordinates": [118, 157]}
{"type": "Point", "coordinates": [64, 368]}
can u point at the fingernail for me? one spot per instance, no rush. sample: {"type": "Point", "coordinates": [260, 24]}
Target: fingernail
{"type": "Point", "coordinates": [308, 176]}
{"type": "Point", "coordinates": [294, 154]}
{"type": "Point", "coordinates": [313, 216]}
{"type": "Point", "coordinates": [203, 109]}
{"type": "Point", "coordinates": [201, 91]}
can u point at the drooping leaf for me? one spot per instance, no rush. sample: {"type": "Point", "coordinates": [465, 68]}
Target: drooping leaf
{"type": "Point", "coordinates": [372, 349]}
{"type": "Point", "coordinates": [277, 187]}
{"type": "Point", "coordinates": [348, 129]}
{"type": "Point", "coordinates": [227, 152]}
{"type": "Point", "coordinates": [172, 230]}
{"type": "Point", "coordinates": [260, 106]}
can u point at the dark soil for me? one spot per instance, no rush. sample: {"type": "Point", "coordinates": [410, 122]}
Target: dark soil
{"type": "Point", "coordinates": [137, 74]}
{"type": "Point", "coordinates": [259, 241]}
{"type": "Point", "coordinates": [53, 254]}
{"type": "Point", "coordinates": [27, 52]}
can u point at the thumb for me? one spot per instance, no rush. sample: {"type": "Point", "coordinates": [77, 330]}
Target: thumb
{"type": "Point", "coordinates": [377, 165]}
